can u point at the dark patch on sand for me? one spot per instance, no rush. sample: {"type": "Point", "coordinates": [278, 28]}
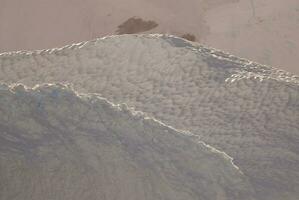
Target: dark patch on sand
{"type": "Point", "coordinates": [189, 37]}
{"type": "Point", "coordinates": [136, 25]}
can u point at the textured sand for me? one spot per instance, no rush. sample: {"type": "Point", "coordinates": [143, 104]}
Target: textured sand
{"type": "Point", "coordinates": [247, 110]}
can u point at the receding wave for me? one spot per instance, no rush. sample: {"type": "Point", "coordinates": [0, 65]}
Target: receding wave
{"type": "Point", "coordinates": [58, 144]}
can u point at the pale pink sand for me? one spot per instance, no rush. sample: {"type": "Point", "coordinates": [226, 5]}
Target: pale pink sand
{"type": "Point", "coordinates": [265, 31]}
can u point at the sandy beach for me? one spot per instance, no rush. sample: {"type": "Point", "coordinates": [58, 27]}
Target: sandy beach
{"type": "Point", "coordinates": [263, 31]}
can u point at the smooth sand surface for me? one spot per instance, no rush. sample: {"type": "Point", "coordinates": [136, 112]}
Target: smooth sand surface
{"type": "Point", "coordinates": [264, 31]}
